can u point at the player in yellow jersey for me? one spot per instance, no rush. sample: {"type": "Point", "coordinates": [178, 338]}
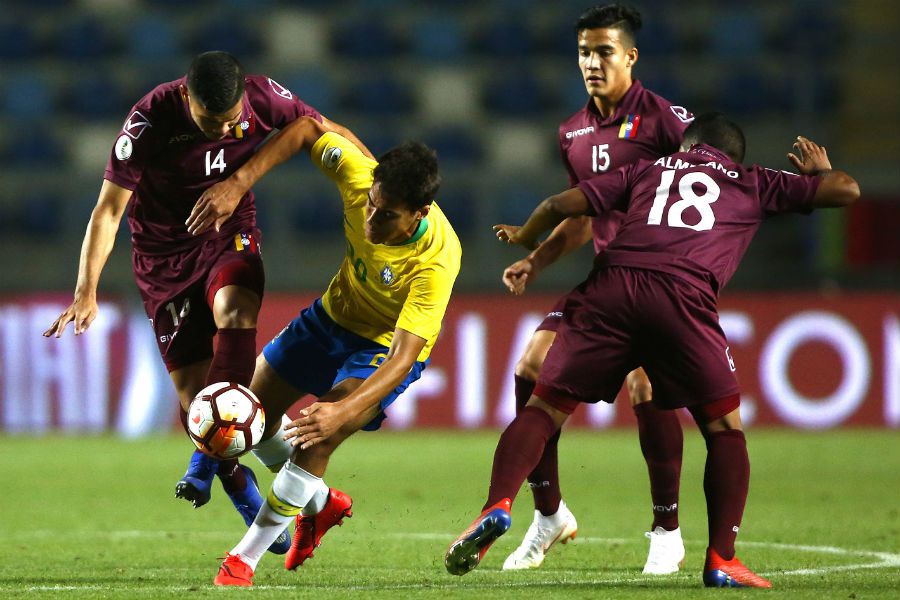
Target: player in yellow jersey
{"type": "Point", "coordinates": [361, 344]}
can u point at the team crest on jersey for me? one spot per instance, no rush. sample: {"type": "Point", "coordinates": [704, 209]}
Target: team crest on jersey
{"type": "Point", "coordinates": [331, 156]}
{"type": "Point", "coordinates": [124, 147]}
{"type": "Point", "coordinates": [629, 126]}
{"type": "Point", "coordinates": [280, 90]}
{"type": "Point", "coordinates": [387, 275]}
{"type": "Point", "coordinates": [245, 127]}
{"type": "Point", "coordinates": [683, 114]}
{"type": "Point", "coordinates": [135, 125]}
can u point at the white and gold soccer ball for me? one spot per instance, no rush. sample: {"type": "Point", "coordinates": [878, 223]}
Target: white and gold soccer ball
{"type": "Point", "coordinates": [225, 420]}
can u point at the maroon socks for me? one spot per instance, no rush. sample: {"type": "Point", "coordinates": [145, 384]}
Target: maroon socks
{"type": "Point", "coordinates": [518, 451]}
{"type": "Point", "coordinates": [725, 482]}
{"type": "Point", "coordinates": [544, 479]}
{"type": "Point", "coordinates": [662, 442]}
{"type": "Point", "coordinates": [235, 356]}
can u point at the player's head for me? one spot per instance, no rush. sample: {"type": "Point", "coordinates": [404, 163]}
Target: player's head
{"type": "Point", "coordinates": [405, 183]}
{"type": "Point", "coordinates": [714, 129]}
{"type": "Point", "coordinates": [606, 48]}
{"type": "Point", "coordinates": [215, 88]}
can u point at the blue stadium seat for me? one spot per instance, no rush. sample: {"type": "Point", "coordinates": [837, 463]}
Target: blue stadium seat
{"type": "Point", "coordinates": [506, 38]}
{"type": "Point", "coordinates": [459, 206]}
{"type": "Point", "coordinates": [27, 96]}
{"type": "Point", "coordinates": [516, 203]}
{"type": "Point", "coordinates": [313, 86]}
{"type": "Point", "coordinates": [38, 148]}
{"type": "Point", "coordinates": [153, 39]}
{"type": "Point", "coordinates": [17, 40]}
{"type": "Point", "coordinates": [84, 39]}
{"type": "Point", "coordinates": [439, 38]}
{"type": "Point", "coordinates": [96, 95]}
{"type": "Point", "coordinates": [316, 210]}
{"type": "Point", "coordinates": [40, 215]}
{"type": "Point", "coordinates": [231, 35]}
{"type": "Point", "coordinates": [745, 91]}
{"type": "Point", "coordinates": [455, 145]}
{"type": "Point", "coordinates": [379, 95]}
{"type": "Point", "coordinates": [365, 38]}
{"type": "Point", "coordinates": [736, 34]}
{"type": "Point", "coordinates": [515, 93]}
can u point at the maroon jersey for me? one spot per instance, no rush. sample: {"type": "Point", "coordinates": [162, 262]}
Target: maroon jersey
{"type": "Point", "coordinates": [166, 160]}
{"type": "Point", "coordinates": [643, 125]}
{"type": "Point", "coordinates": [693, 214]}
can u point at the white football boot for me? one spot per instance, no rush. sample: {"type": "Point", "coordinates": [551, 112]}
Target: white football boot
{"type": "Point", "coordinates": [666, 554]}
{"type": "Point", "coordinates": [543, 533]}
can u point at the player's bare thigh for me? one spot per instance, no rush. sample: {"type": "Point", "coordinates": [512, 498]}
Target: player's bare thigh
{"type": "Point", "coordinates": [639, 389]}
{"type": "Point", "coordinates": [189, 381]}
{"type": "Point", "coordinates": [275, 394]}
{"type": "Point", "coordinates": [529, 365]}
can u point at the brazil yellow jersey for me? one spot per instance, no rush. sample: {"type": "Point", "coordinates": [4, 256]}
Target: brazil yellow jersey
{"type": "Point", "coordinates": [378, 287]}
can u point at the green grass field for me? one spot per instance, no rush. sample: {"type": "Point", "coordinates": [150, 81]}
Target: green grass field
{"type": "Point", "coordinates": [96, 518]}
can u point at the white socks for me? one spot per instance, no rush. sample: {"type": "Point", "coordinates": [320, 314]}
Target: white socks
{"type": "Point", "coordinates": [292, 489]}
{"type": "Point", "coordinates": [275, 451]}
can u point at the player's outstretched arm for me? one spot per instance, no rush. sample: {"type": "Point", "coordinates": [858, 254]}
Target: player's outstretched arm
{"type": "Point", "coordinates": [219, 201]}
{"type": "Point", "coordinates": [346, 133]}
{"type": "Point", "coordinates": [548, 215]}
{"type": "Point", "coordinates": [320, 420]}
{"type": "Point", "coordinates": [836, 188]}
{"type": "Point", "coordinates": [95, 249]}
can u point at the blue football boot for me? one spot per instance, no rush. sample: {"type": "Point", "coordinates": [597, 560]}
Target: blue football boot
{"type": "Point", "coordinates": [469, 548]}
{"type": "Point", "coordinates": [248, 502]}
{"type": "Point", "coordinates": [196, 484]}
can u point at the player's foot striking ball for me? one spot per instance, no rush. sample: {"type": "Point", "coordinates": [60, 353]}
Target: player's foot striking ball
{"type": "Point", "coordinates": [310, 528]}
{"type": "Point", "coordinates": [466, 552]}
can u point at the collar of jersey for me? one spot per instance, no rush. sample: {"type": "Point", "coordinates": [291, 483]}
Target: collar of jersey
{"type": "Point", "coordinates": [420, 231]}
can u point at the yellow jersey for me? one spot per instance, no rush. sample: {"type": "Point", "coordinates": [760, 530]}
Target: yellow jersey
{"type": "Point", "coordinates": [378, 287]}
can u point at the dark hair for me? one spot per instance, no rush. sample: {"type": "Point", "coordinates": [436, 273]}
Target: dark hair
{"type": "Point", "coordinates": [216, 80]}
{"type": "Point", "coordinates": [716, 130]}
{"type": "Point", "coordinates": [408, 173]}
{"type": "Point", "coordinates": [615, 16]}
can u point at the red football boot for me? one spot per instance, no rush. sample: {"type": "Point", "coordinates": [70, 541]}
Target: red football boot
{"type": "Point", "coordinates": [310, 529]}
{"type": "Point", "coordinates": [234, 571]}
{"type": "Point", "coordinates": [719, 572]}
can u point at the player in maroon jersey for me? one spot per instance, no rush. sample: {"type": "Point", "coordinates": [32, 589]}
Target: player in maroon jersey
{"type": "Point", "coordinates": [178, 140]}
{"type": "Point", "coordinates": [651, 300]}
{"type": "Point", "coordinates": [621, 123]}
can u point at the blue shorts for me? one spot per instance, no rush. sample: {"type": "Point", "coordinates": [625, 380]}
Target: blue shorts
{"type": "Point", "coordinates": [313, 354]}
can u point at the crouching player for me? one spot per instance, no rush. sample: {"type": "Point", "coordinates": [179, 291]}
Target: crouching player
{"type": "Point", "coordinates": [651, 300]}
{"type": "Point", "coordinates": [357, 347]}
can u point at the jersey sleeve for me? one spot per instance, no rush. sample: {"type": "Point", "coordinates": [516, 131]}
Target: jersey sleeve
{"type": "Point", "coordinates": [670, 132]}
{"type": "Point", "coordinates": [344, 163]}
{"type": "Point", "coordinates": [427, 302]}
{"type": "Point", "coordinates": [133, 149]}
{"type": "Point", "coordinates": [608, 191]}
{"type": "Point", "coordinates": [280, 104]}
{"type": "Point", "coordinates": [782, 191]}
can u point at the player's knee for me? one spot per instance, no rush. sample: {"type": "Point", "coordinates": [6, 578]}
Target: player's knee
{"type": "Point", "coordinates": [639, 388]}
{"type": "Point", "coordinates": [236, 317]}
{"type": "Point", "coordinates": [529, 366]}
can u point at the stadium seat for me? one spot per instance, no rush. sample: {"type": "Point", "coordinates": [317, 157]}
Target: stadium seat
{"type": "Point", "coordinates": [316, 210]}
{"type": "Point", "coordinates": [96, 95]}
{"type": "Point", "coordinates": [439, 37]}
{"type": "Point", "coordinates": [515, 93]}
{"type": "Point", "coordinates": [365, 38]}
{"type": "Point", "coordinates": [736, 34]}
{"type": "Point", "coordinates": [84, 39]}
{"type": "Point", "coordinates": [39, 215]}
{"type": "Point", "coordinates": [506, 39]}
{"type": "Point", "coordinates": [313, 86]}
{"type": "Point", "coordinates": [378, 95]}
{"type": "Point", "coordinates": [231, 35]}
{"type": "Point", "coordinates": [17, 40]}
{"type": "Point", "coordinates": [27, 96]}
{"type": "Point", "coordinates": [38, 148]}
{"type": "Point", "coordinates": [459, 206]}
{"type": "Point", "coordinates": [455, 145]}
{"type": "Point", "coordinates": [153, 39]}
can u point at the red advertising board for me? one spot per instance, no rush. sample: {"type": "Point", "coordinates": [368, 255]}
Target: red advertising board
{"type": "Point", "coordinates": [803, 360]}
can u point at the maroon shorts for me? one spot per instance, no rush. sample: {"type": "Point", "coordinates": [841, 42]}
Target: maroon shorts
{"type": "Point", "coordinates": [620, 319]}
{"type": "Point", "coordinates": [554, 317]}
{"type": "Point", "coordinates": [178, 292]}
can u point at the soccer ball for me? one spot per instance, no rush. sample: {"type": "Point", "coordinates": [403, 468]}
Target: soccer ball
{"type": "Point", "coordinates": [225, 420]}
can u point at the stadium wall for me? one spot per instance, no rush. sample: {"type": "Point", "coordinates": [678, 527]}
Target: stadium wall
{"type": "Point", "coordinates": [803, 360]}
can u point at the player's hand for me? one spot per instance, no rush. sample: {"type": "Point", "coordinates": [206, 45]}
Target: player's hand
{"type": "Point", "coordinates": [214, 207]}
{"type": "Point", "coordinates": [517, 275]}
{"type": "Point", "coordinates": [316, 423]}
{"type": "Point", "coordinates": [811, 158]}
{"type": "Point", "coordinates": [510, 235]}
{"type": "Point", "coordinates": [81, 313]}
